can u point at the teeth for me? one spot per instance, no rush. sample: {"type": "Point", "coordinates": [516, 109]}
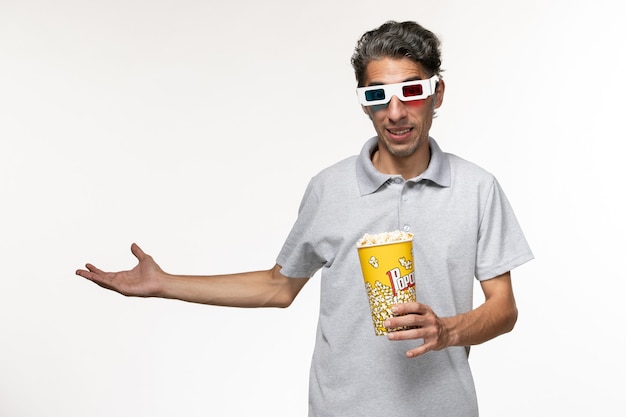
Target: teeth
{"type": "Point", "coordinates": [400, 132]}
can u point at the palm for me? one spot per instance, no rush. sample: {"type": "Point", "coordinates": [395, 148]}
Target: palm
{"type": "Point", "coordinates": [142, 280]}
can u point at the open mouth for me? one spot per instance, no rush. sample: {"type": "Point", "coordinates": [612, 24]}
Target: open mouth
{"type": "Point", "coordinates": [399, 132]}
{"type": "Point", "coordinates": [399, 135]}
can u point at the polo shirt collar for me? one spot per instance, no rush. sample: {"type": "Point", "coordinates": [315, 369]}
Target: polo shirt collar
{"type": "Point", "coordinates": [370, 179]}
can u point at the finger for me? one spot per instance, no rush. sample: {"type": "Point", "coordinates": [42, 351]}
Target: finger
{"type": "Point", "coordinates": [418, 351]}
{"type": "Point", "coordinates": [100, 280]}
{"type": "Point", "coordinates": [88, 273]}
{"type": "Point", "coordinates": [401, 321]}
{"type": "Point", "coordinates": [408, 308]}
{"type": "Point", "coordinates": [410, 319]}
{"type": "Point", "coordinates": [136, 250]}
{"type": "Point", "coordinates": [408, 334]}
{"type": "Point", "coordinates": [83, 273]}
{"type": "Point", "coordinates": [92, 268]}
{"type": "Point", "coordinates": [97, 276]}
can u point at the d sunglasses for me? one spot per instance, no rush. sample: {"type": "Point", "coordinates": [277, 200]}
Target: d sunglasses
{"type": "Point", "coordinates": [406, 91]}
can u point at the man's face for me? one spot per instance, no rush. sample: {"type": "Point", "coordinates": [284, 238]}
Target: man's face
{"type": "Point", "coordinates": [402, 127]}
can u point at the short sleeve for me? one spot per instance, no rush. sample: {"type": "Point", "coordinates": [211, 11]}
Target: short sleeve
{"type": "Point", "coordinates": [502, 245]}
{"type": "Point", "coordinates": [300, 255]}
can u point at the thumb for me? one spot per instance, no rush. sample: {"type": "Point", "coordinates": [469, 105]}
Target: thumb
{"type": "Point", "coordinates": [136, 250]}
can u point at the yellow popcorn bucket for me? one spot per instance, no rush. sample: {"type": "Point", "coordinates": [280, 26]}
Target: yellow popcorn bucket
{"type": "Point", "coordinates": [389, 275]}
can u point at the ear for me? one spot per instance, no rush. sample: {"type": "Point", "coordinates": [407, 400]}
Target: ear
{"type": "Point", "coordinates": [439, 90]}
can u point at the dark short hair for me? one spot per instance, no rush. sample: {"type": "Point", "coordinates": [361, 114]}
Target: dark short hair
{"type": "Point", "coordinates": [397, 40]}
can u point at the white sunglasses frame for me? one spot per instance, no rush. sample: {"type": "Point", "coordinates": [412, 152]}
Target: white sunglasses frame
{"type": "Point", "coordinates": [428, 89]}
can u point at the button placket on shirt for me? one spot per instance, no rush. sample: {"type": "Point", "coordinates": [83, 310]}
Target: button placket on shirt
{"type": "Point", "coordinates": [405, 206]}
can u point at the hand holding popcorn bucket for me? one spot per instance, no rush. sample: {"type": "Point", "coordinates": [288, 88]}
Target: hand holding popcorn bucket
{"type": "Point", "coordinates": [387, 265]}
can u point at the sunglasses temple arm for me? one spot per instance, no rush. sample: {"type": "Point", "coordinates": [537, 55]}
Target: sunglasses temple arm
{"type": "Point", "coordinates": [433, 83]}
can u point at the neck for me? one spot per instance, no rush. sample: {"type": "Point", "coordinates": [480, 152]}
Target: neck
{"type": "Point", "coordinates": [406, 166]}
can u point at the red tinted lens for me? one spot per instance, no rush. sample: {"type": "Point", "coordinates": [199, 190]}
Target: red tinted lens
{"type": "Point", "coordinates": [412, 90]}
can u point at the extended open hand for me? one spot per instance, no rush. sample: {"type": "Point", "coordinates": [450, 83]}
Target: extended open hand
{"type": "Point", "coordinates": [144, 280]}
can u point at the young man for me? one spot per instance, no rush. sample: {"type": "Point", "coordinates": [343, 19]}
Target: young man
{"type": "Point", "coordinates": [464, 229]}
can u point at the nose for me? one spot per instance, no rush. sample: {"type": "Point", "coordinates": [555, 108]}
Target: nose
{"type": "Point", "coordinates": [396, 109]}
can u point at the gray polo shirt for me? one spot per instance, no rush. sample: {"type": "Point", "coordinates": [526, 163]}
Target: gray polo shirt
{"type": "Point", "coordinates": [464, 228]}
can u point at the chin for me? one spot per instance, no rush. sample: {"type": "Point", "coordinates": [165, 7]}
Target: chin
{"type": "Point", "coordinates": [402, 151]}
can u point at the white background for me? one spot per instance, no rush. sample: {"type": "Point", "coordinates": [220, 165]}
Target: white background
{"type": "Point", "coordinates": [192, 127]}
